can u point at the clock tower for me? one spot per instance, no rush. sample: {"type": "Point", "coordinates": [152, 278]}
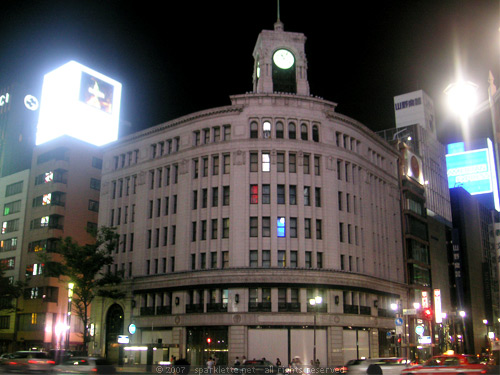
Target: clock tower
{"type": "Point", "coordinates": [280, 63]}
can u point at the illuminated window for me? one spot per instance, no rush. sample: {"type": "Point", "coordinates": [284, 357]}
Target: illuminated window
{"type": "Point", "coordinates": [282, 258]}
{"type": "Point", "coordinates": [254, 194]}
{"type": "Point", "coordinates": [266, 162]}
{"type": "Point", "coordinates": [281, 227]}
{"type": "Point", "coordinates": [46, 199]}
{"type": "Point", "coordinates": [44, 221]}
{"type": "Point", "coordinates": [266, 129]}
{"type": "Point", "coordinates": [11, 208]}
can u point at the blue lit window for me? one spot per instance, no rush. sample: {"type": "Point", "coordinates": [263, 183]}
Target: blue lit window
{"type": "Point", "coordinates": [281, 225]}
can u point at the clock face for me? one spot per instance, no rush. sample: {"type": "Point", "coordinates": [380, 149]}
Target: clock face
{"type": "Point", "coordinates": [283, 59]}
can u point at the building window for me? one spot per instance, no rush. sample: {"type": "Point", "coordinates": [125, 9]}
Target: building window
{"type": "Point", "coordinates": [266, 129]}
{"type": "Point", "coordinates": [226, 160]}
{"type": "Point", "coordinates": [306, 164]}
{"type": "Point", "coordinates": [195, 168]}
{"type": "Point", "coordinates": [195, 200]}
{"type": "Point", "coordinates": [341, 232]}
{"type": "Point", "coordinates": [308, 259]}
{"type": "Point", "coordinates": [292, 194]}
{"type": "Point", "coordinates": [213, 259]}
{"type": "Point", "coordinates": [340, 199]}
{"type": "Point", "coordinates": [193, 231]}
{"type": "Point", "coordinates": [227, 132]}
{"type": "Point", "coordinates": [293, 227]}
{"type": "Point", "coordinates": [281, 194]}
{"type": "Point", "coordinates": [303, 132]}
{"type": "Point", "coordinates": [216, 133]}
{"type": "Point", "coordinates": [319, 260]}
{"type": "Point", "coordinates": [254, 226]}
{"type": "Point", "coordinates": [203, 230]}
{"type": "Point", "coordinates": [95, 184]}
{"type": "Point", "coordinates": [215, 196]}
{"type": "Point", "coordinates": [279, 130]}
{"type": "Point", "coordinates": [266, 226]}
{"type": "Point", "coordinates": [93, 205]}
{"type": "Point", "coordinates": [266, 194]}
{"type": "Point", "coordinates": [254, 194]}
{"type": "Point", "coordinates": [292, 131]}
{"type": "Point", "coordinates": [266, 162]}
{"type": "Point", "coordinates": [281, 227]}
{"type": "Point", "coordinates": [315, 132]}
{"type": "Point", "coordinates": [11, 208]}
{"type": "Point", "coordinates": [293, 259]}
{"type": "Point", "coordinates": [280, 161]}
{"type": "Point", "coordinates": [214, 229]}
{"type": "Point", "coordinates": [266, 258]}
{"type": "Point", "coordinates": [225, 195]}
{"type": "Point", "coordinates": [307, 196]}
{"type": "Point", "coordinates": [204, 198]}
{"type": "Point", "coordinates": [225, 259]}
{"type": "Point", "coordinates": [14, 188]}
{"type": "Point", "coordinates": [204, 167]}
{"type": "Point", "coordinates": [281, 258]}
{"type": "Point", "coordinates": [307, 228]}
{"type": "Point", "coordinates": [225, 228]}
{"type": "Point", "coordinates": [292, 163]}
{"type": "Point", "coordinates": [319, 233]}
{"type": "Point", "coordinates": [254, 130]}
{"type": "Point", "coordinates": [254, 258]}
{"type": "Point", "coordinates": [215, 165]}
{"type": "Point", "coordinates": [254, 162]}
{"type": "Point", "coordinates": [317, 197]}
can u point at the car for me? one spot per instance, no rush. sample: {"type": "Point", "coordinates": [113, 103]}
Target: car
{"type": "Point", "coordinates": [27, 361]}
{"type": "Point", "coordinates": [4, 358]}
{"type": "Point", "coordinates": [84, 365]}
{"type": "Point", "coordinates": [448, 364]}
{"type": "Point", "coordinates": [388, 365]}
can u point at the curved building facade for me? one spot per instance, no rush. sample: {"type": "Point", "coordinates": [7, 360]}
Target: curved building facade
{"type": "Point", "coordinates": [232, 219]}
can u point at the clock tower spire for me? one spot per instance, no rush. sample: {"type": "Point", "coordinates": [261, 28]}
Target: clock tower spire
{"type": "Point", "coordinates": [280, 64]}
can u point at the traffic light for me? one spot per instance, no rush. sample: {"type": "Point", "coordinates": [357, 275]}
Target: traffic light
{"type": "Point", "coordinates": [209, 340]}
{"type": "Point", "coordinates": [427, 314]}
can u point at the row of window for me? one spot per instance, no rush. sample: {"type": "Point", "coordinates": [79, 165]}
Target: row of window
{"type": "Point", "coordinates": [281, 162]}
{"type": "Point", "coordinates": [202, 169]}
{"type": "Point", "coordinates": [202, 197]}
{"type": "Point", "coordinates": [15, 188]}
{"type": "Point", "coordinates": [126, 159]}
{"type": "Point", "coordinates": [8, 244]}
{"type": "Point", "coordinates": [281, 194]}
{"type": "Point", "coordinates": [164, 148]}
{"type": "Point", "coordinates": [264, 130]}
{"type": "Point", "coordinates": [208, 135]}
{"type": "Point", "coordinates": [282, 228]}
{"type": "Point", "coordinates": [347, 142]}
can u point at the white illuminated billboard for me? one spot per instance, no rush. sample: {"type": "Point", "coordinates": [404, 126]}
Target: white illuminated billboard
{"type": "Point", "coordinates": [79, 102]}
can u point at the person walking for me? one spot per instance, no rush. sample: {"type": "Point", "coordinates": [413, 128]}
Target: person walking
{"type": "Point", "coordinates": [210, 365]}
{"type": "Point", "coordinates": [278, 362]}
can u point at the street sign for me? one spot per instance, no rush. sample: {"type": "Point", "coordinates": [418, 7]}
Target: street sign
{"type": "Point", "coordinates": [409, 311]}
{"type": "Point", "coordinates": [389, 334]}
{"type": "Point", "coordinates": [419, 330]}
{"type": "Point", "coordinates": [399, 330]}
{"type": "Point", "coordinates": [398, 321]}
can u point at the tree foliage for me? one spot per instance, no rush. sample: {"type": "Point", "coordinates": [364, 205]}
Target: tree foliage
{"type": "Point", "coordinates": [85, 266]}
{"type": "Point", "coordinates": [9, 290]}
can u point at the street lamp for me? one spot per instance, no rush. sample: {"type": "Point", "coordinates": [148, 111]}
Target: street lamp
{"type": "Point", "coordinates": [68, 318]}
{"type": "Point", "coordinates": [315, 302]}
{"type": "Point", "coordinates": [462, 315]}
{"type": "Point", "coordinates": [462, 98]}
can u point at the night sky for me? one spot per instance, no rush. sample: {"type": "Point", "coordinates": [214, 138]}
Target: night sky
{"type": "Point", "coordinates": [174, 59]}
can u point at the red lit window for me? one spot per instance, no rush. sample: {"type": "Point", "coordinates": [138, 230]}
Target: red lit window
{"type": "Point", "coordinates": [254, 194]}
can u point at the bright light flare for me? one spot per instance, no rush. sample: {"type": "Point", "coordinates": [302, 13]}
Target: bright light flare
{"type": "Point", "coordinates": [462, 98]}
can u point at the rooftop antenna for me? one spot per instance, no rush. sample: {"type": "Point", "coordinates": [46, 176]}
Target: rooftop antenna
{"type": "Point", "coordinates": [278, 26]}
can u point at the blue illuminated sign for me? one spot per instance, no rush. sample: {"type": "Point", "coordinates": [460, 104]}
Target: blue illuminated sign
{"type": "Point", "coordinates": [470, 170]}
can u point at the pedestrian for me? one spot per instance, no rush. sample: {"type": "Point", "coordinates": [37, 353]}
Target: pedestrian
{"type": "Point", "coordinates": [210, 365]}
{"type": "Point", "coordinates": [278, 362]}
{"type": "Point", "coordinates": [317, 362]}
{"type": "Point", "coordinates": [237, 361]}
{"type": "Point", "coordinates": [243, 359]}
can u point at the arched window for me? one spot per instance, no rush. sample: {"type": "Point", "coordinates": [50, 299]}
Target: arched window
{"type": "Point", "coordinates": [279, 129]}
{"type": "Point", "coordinates": [315, 133]}
{"type": "Point", "coordinates": [292, 133]}
{"type": "Point", "coordinates": [266, 129]}
{"type": "Point", "coordinates": [303, 132]}
{"type": "Point", "coordinates": [254, 130]}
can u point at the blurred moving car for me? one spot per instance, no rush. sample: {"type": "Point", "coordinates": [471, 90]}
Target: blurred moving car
{"type": "Point", "coordinates": [448, 364]}
{"type": "Point", "coordinates": [29, 361]}
{"type": "Point", "coordinates": [4, 358]}
{"type": "Point", "coordinates": [389, 366]}
{"type": "Point", "coordinates": [84, 365]}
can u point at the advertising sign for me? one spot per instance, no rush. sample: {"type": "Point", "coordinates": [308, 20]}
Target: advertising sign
{"type": "Point", "coordinates": [79, 102]}
{"type": "Point", "coordinates": [437, 306]}
{"type": "Point", "coordinates": [470, 170]}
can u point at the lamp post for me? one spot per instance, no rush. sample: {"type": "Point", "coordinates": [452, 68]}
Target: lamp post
{"type": "Point", "coordinates": [395, 306]}
{"type": "Point", "coordinates": [315, 302]}
{"type": "Point", "coordinates": [485, 322]}
{"type": "Point", "coordinates": [68, 318]}
{"type": "Point", "coordinates": [464, 332]}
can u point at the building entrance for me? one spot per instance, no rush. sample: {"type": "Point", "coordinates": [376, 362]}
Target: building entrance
{"type": "Point", "coordinates": [205, 342]}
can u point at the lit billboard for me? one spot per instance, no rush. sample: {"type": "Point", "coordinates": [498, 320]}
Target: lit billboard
{"type": "Point", "coordinates": [473, 170]}
{"type": "Point", "coordinates": [79, 102]}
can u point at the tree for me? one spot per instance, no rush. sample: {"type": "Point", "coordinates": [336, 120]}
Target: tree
{"type": "Point", "coordinates": [9, 290]}
{"type": "Point", "coordinates": [84, 266]}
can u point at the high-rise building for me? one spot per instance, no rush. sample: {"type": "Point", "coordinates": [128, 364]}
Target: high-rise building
{"type": "Point", "coordinates": [232, 219]}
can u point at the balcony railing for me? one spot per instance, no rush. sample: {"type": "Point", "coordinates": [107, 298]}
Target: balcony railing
{"type": "Point", "coordinates": [365, 310]}
{"type": "Point", "coordinates": [163, 310]}
{"type": "Point", "coordinates": [259, 306]}
{"type": "Point", "coordinates": [148, 310]}
{"type": "Point", "coordinates": [351, 309]}
{"type": "Point", "coordinates": [217, 307]}
{"type": "Point", "coordinates": [323, 308]}
{"type": "Point", "coordinates": [289, 306]}
{"type": "Point", "coordinates": [192, 308]}
{"type": "Point", "coordinates": [386, 313]}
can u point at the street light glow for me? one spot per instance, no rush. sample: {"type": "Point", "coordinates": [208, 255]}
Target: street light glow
{"type": "Point", "coordinates": [462, 313]}
{"type": "Point", "coordinates": [462, 98]}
